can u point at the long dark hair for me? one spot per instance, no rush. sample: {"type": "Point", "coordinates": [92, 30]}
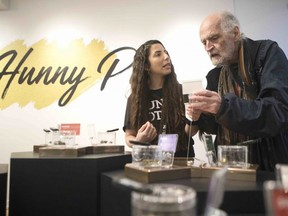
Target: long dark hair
{"type": "Point", "coordinates": [172, 109]}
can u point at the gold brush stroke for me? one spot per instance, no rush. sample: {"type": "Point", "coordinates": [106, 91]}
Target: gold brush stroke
{"type": "Point", "coordinates": [74, 54]}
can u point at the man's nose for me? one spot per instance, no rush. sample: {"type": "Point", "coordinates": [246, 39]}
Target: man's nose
{"type": "Point", "coordinates": [209, 46]}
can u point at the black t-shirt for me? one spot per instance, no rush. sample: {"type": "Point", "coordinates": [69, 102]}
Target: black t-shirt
{"type": "Point", "coordinates": [155, 110]}
{"type": "Point", "coordinates": [155, 114]}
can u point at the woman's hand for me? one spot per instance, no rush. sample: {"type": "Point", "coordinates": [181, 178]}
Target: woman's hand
{"type": "Point", "coordinates": [146, 133]}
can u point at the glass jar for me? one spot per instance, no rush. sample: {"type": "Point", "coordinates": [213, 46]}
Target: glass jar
{"type": "Point", "coordinates": [165, 200]}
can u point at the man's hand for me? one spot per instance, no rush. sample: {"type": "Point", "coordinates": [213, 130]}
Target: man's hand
{"type": "Point", "coordinates": [205, 101]}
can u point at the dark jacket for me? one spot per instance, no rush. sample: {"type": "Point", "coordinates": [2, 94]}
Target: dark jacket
{"type": "Point", "coordinates": [266, 116]}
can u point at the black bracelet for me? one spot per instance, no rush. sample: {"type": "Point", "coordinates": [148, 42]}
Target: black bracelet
{"type": "Point", "coordinates": [189, 122]}
{"type": "Point", "coordinates": [195, 122]}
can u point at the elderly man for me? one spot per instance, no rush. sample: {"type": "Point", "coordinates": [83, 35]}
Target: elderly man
{"type": "Point", "coordinates": [246, 98]}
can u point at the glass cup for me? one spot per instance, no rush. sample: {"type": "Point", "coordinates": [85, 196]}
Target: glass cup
{"type": "Point", "coordinates": [167, 159]}
{"type": "Point", "coordinates": [48, 137]}
{"type": "Point", "coordinates": [92, 133]}
{"type": "Point", "coordinates": [68, 138]}
{"type": "Point", "coordinates": [232, 155]}
{"type": "Point", "coordinates": [55, 136]}
{"type": "Point", "coordinates": [165, 200]}
{"type": "Point", "coordinates": [106, 138]}
{"type": "Point", "coordinates": [167, 143]}
{"type": "Point", "coordinates": [146, 156]}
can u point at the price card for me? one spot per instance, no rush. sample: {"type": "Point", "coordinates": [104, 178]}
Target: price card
{"type": "Point", "coordinates": [168, 142]}
{"type": "Point", "coordinates": [71, 127]}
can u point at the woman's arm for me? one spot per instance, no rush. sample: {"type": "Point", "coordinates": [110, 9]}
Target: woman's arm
{"type": "Point", "coordinates": [145, 134]}
{"type": "Point", "coordinates": [129, 135]}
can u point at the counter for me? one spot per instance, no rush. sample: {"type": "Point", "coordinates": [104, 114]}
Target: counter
{"type": "Point", "coordinates": [59, 186]}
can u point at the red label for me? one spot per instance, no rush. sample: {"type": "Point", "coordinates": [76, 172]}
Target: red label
{"type": "Point", "coordinates": [70, 127]}
{"type": "Point", "coordinates": [280, 202]}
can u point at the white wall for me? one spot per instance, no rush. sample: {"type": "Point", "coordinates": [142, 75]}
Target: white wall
{"type": "Point", "coordinates": [264, 19]}
{"type": "Point", "coordinates": [118, 23]}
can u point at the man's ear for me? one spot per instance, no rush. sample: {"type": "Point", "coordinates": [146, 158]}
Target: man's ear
{"type": "Point", "coordinates": [237, 33]}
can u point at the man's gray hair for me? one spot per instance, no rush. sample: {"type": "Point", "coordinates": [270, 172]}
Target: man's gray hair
{"type": "Point", "coordinates": [229, 21]}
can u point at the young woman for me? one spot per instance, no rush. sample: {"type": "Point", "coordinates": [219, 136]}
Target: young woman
{"type": "Point", "coordinates": [156, 104]}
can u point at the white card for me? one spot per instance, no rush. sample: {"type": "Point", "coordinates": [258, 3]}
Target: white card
{"type": "Point", "coordinates": [168, 142]}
